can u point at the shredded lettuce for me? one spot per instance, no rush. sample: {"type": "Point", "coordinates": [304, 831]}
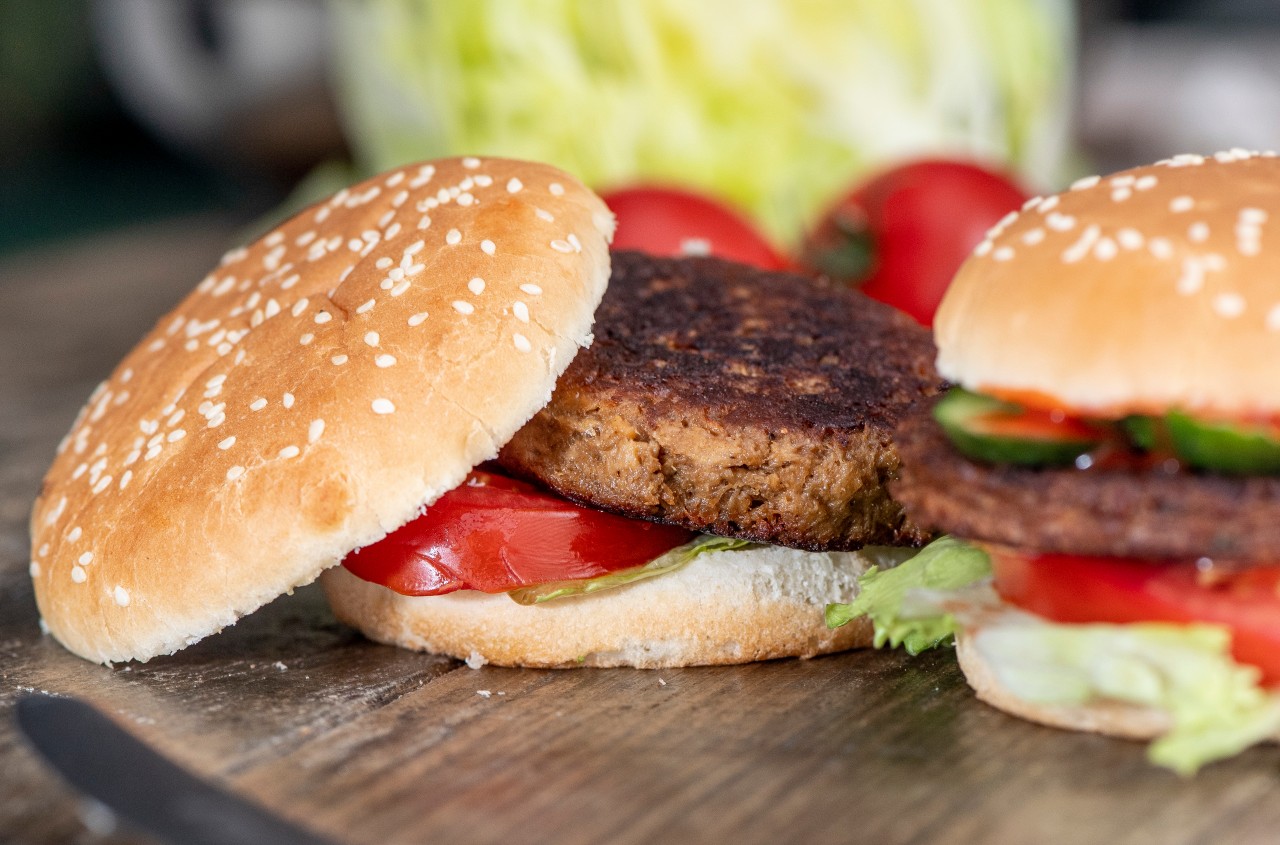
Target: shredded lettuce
{"type": "Point", "coordinates": [945, 564]}
{"type": "Point", "coordinates": [775, 107]}
{"type": "Point", "coordinates": [677, 558]}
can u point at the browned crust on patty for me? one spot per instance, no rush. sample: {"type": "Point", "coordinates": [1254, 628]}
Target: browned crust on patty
{"type": "Point", "coordinates": [740, 402]}
{"type": "Point", "coordinates": [1142, 513]}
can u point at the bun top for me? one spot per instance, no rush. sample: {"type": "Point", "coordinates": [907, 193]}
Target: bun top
{"type": "Point", "coordinates": [314, 392]}
{"type": "Point", "coordinates": [1152, 289]}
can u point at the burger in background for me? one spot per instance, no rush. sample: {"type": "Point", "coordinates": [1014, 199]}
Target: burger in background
{"type": "Point", "coordinates": [1109, 460]}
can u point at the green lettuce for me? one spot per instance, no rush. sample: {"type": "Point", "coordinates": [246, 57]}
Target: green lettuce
{"type": "Point", "coordinates": [1216, 706]}
{"type": "Point", "coordinates": [677, 558]}
{"type": "Point", "coordinates": [945, 564]}
{"type": "Point", "coordinates": [775, 107]}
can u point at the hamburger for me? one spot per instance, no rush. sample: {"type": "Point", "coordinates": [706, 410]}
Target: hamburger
{"type": "Point", "coordinates": [739, 419]}
{"type": "Point", "coordinates": [355, 369]}
{"type": "Point", "coordinates": [1106, 464]}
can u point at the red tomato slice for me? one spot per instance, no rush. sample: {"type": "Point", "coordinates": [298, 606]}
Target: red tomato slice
{"type": "Point", "coordinates": [674, 222]}
{"type": "Point", "coordinates": [1031, 424]}
{"type": "Point", "coordinates": [495, 534]}
{"type": "Point", "coordinates": [1071, 588]}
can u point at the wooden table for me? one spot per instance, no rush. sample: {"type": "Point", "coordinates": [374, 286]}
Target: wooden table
{"type": "Point", "coordinates": [371, 744]}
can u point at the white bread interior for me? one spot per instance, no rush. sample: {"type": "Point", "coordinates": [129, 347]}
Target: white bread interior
{"type": "Point", "coordinates": [316, 391]}
{"type": "Point", "coordinates": [723, 607]}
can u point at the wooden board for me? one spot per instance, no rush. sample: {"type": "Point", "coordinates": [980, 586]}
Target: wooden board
{"type": "Point", "coordinates": [371, 744]}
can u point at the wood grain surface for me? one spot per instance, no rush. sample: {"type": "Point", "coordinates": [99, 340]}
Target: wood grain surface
{"type": "Point", "coordinates": [371, 744]}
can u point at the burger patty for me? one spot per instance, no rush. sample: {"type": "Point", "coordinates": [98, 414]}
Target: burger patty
{"type": "Point", "coordinates": [739, 402]}
{"type": "Point", "coordinates": [1153, 513]}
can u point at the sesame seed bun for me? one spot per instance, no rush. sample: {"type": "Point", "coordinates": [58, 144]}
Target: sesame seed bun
{"type": "Point", "coordinates": [723, 607]}
{"type": "Point", "coordinates": [316, 391]}
{"type": "Point", "coordinates": [1151, 289]}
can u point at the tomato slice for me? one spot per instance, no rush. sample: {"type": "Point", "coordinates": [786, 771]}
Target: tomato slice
{"type": "Point", "coordinates": [495, 534]}
{"type": "Point", "coordinates": [1073, 588]}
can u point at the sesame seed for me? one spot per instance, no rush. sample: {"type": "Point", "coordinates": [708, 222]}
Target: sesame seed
{"type": "Point", "coordinates": [121, 596]}
{"type": "Point", "coordinates": [384, 360]}
{"type": "Point", "coordinates": [577, 244]}
{"type": "Point", "coordinates": [1160, 248]}
{"type": "Point", "coordinates": [1081, 247]}
{"type": "Point", "coordinates": [1247, 215]}
{"type": "Point", "coordinates": [1198, 232]}
{"type": "Point", "coordinates": [366, 307]}
{"type": "Point", "coordinates": [416, 319]}
{"type": "Point", "coordinates": [306, 339]}
{"type": "Point", "coordinates": [463, 307]}
{"type": "Point", "coordinates": [521, 311]}
{"type": "Point", "coordinates": [1229, 305]}
{"type": "Point", "coordinates": [258, 404]}
{"type": "Point", "coordinates": [227, 443]}
{"type": "Point", "coordinates": [400, 288]}
{"type": "Point", "coordinates": [1130, 238]}
{"type": "Point", "coordinates": [453, 237]}
{"type": "Point", "coordinates": [176, 418]}
{"type": "Point", "coordinates": [470, 162]}
{"type": "Point", "coordinates": [1181, 203]}
{"type": "Point", "coordinates": [290, 452]}
{"type": "Point", "coordinates": [1049, 204]}
{"type": "Point", "coordinates": [1121, 194]}
{"type": "Point", "coordinates": [103, 484]}
{"type": "Point", "coordinates": [287, 400]}
{"type": "Point", "coordinates": [43, 550]}
{"type": "Point", "coordinates": [372, 338]}
{"type": "Point", "coordinates": [556, 189]}
{"type": "Point", "coordinates": [1273, 319]}
{"type": "Point", "coordinates": [383, 263]}
{"type": "Point", "coordinates": [78, 574]}
{"type": "Point", "coordinates": [33, 569]}
{"type": "Point", "coordinates": [521, 342]}
{"type": "Point", "coordinates": [1031, 237]}
{"type": "Point", "coordinates": [126, 478]}
{"type": "Point", "coordinates": [1031, 203]}
{"type": "Point", "coordinates": [74, 534]}
{"type": "Point", "coordinates": [235, 472]}
{"type": "Point", "coordinates": [323, 317]}
{"type": "Point", "coordinates": [484, 180]}
{"type": "Point", "coordinates": [85, 559]}
{"type": "Point", "coordinates": [393, 230]}
{"type": "Point", "coordinates": [531, 289]}
{"type": "Point", "coordinates": [217, 420]}
{"type": "Point", "coordinates": [561, 246]}
{"type": "Point", "coordinates": [1105, 249]}
{"type": "Point", "coordinates": [315, 430]}
{"type": "Point", "coordinates": [1060, 222]}
{"type": "Point", "coordinates": [545, 215]}
{"type": "Point", "coordinates": [476, 285]}
{"type": "Point", "coordinates": [338, 360]}
{"type": "Point", "coordinates": [1086, 182]}
{"type": "Point", "coordinates": [1192, 277]}
{"type": "Point", "coordinates": [216, 381]}
{"type": "Point", "coordinates": [1004, 253]}
{"type": "Point", "coordinates": [465, 200]}
{"type": "Point", "coordinates": [487, 247]}
{"type": "Point", "coordinates": [1145, 183]}
{"type": "Point", "coordinates": [514, 185]}
{"type": "Point", "coordinates": [191, 345]}
{"type": "Point", "coordinates": [383, 406]}
{"type": "Point", "coordinates": [984, 246]}
{"type": "Point", "coordinates": [176, 435]}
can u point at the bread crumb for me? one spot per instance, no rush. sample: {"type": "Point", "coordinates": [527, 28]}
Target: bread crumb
{"type": "Point", "coordinates": [279, 664]}
{"type": "Point", "coordinates": [483, 693]}
{"type": "Point", "coordinates": [475, 660]}
{"type": "Point", "coordinates": [661, 682]}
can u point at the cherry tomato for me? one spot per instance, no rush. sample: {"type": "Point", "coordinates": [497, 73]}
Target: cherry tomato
{"type": "Point", "coordinates": [675, 222]}
{"type": "Point", "coordinates": [1071, 588]}
{"type": "Point", "coordinates": [495, 534]}
{"type": "Point", "coordinates": [902, 235]}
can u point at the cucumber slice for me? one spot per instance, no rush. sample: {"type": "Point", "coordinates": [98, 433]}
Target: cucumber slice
{"type": "Point", "coordinates": [1143, 432]}
{"type": "Point", "coordinates": [962, 415]}
{"type": "Point", "coordinates": [1223, 447]}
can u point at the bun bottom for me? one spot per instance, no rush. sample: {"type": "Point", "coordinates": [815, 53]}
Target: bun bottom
{"type": "Point", "coordinates": [1111, 718]}
{"type": "Point", "coordinates": [722, 608]}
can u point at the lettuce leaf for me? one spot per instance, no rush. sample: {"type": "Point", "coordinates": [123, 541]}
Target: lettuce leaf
{"type": "Point", "coordinates": [945, 564]}
{"type": "Point", "coordinates": [1217, 706]}
{"type": "Point", "coordinates": [677, 558]}
{"type": "Point", "coordinates": [773, 107]}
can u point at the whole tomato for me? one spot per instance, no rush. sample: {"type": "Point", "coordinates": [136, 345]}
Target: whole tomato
{"type": "Point", "coordinates": [676, 222]}
{"type": "Point", "coordinates": [902, 235]}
